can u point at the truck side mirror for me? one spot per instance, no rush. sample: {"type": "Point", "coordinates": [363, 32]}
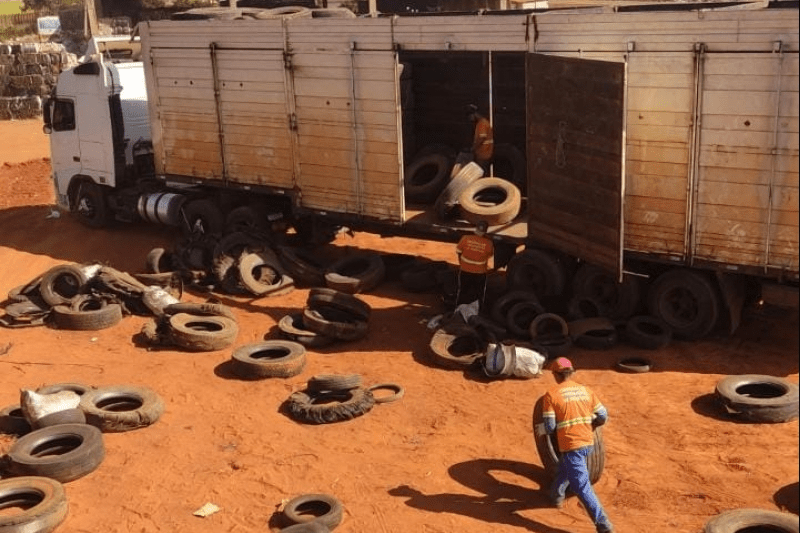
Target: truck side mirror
{"type": "Point", "coordinates": [47, 115]}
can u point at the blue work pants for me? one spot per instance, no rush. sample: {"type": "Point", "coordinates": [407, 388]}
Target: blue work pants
{"type": "Point", "coordinates": [573, 473]}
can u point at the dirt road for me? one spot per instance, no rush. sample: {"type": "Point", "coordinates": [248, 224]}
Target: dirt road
{"type": "Point", "coordinates": [454, 455]}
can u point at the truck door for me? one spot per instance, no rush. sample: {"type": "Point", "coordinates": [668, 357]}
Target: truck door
{"type": "Point", "coordinates": [65, 151]}
{"type": "Point", "coordinates": [575, 145]}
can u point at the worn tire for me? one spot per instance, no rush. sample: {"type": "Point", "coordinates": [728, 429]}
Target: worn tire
{"type": "Point", "coordinates": [535, 270]}
{"type": "Point", "coordinates": [616, 300]}
{"type": "Point", "coordinates": [202, 333]}
{"type": "Point", "coordinates": [456, 347]}
{"type": "Point", "coordinates": [87, 314]}
{"type": "Point", "coordinates": [356, 273]}
{"type": "Point", "coordinates": [200, 309]}
{"type": "Point", "coordinates": [334, 382]}
{"type": "Point", "coordinates": [159, 261]}
{"type": "Point", "coordinates": [308, 527]}
{"type": "Point", "coordinates": [292, 327]}
{"type": "Point", "coordinates": [740, 520]}
{"type": "Point", "coordinates": [687, 301]}
{"type": "Point", "coordinates": [201, 217]}
{"type": "Point", "coordinates": [61, 284]}
{"type": "Point", "coordinates": [329, 407]}
{"type": "Point", "coordinates": [595, 333]}
{"type": "Point", "coordinates": [243, 219]}
{"type": "Point", "coordinates": [759, 398]}
{"type": "Point", "coordinates": [548, 324]}
{"type": "Point", "coordinates": [324, 509]}
{"type": "Point", "coordinates": [648, 332]}
{"type": "Point", "coordinates": [65, 452]}
{"type": "Point", "coordinates": [13, 421]}
{"type": "Point", "coordinates": [339, 300]}
{"type": "Point", "coordinates": [448, 198]}
{"type": "Point", "coordinates": [397, 392]}
{"type": "Point", "coordinates": [547, 448]}
{"type": "Point", "coordinates": [269, 359]}
{"type": "Point", "coordinates": [520, 316]}
{"type": "Point", "coordinates": [508, 162]}
{"type": "Point", "coordinates": [552, 345]}
{"type": "Point", "coordinates": [634, 365]}
{"type": "Point", "coordinates": [426, 176]}
{"type": "Point", "coordinates": [45, 504]}
{"type": "Point", "coordinates": [252, 275]}
{"type": "Point", "coordinates": [121, 408]}
{"type": "Point", "coordinates": [302, 266]}
{"type": "Point", "coordinates": [502, 306]}
{"type": "Point", "coordinates": [334, 323]}
{"type": "Point", "coordinates": [493, 200]}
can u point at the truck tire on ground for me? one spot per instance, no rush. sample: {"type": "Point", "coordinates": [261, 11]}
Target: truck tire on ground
{"type": "Point", "coordinates": [42, 502]}
{"type": "Point", "coordinates": [755, 520]}
{"type": "Point", "coordinates": [292, 327]}
{"type": "Point", "coordinates": [687, 301]}
{"type": "Point", "coordinates": [269, 359]}
{"type": "Point", "coordinates": [329, 407]}
{"type": "Point", "coordinates": [493, 200]}
{"type": "Point", "coordinates": [121, 408]}
{"type": "Point", "coordinates": [552, 345]}
{"type": "Point", "coordinates": [65, 452]}
{"type": "Point", "coordinates": [334, 323]}
{"type": "Point", "coordinates": [262, 274]}
{"type": "Point", "coordinates": [548, 324]}
{"type": "Point", "coordinates": [159, 260]}
{"type": "Point", "coordinates": [502, 306]}
{"type": "Point", "coordinates": [61, 284]}
{"type": "Point", "coordinates": [617, 300]}
{"type": "Point", "coordinates": [87, 313]}
{"type": "Point", "coordinates": [539, 271]}
{"type": "Point", "coordinates": [397, 392]}
{"type": "Point", "coordinates": [426, 177]}
{"type": "Point", "coordinates": [339, 300]}
{"type": "Point", "coordinates": [202, 333]}
{"type": "Point", "coordinates": [456, 347]}
{"type": "Point", "coordinates": [201, 217]}
{"type": "Point", "coordinates": [520, 317]}
{"type": "Point", "coordinates": [321, 508]}
{"type": "Point", "coordinates": [584, 307]}
{"type": "Point", "coordinates": [302, 266]}
{"type": "Point", "coordinates": [508, 162]}
{"type": "Point", "coordinates": [634, 365]}
{"type": "Point", "coordinates": [648, 332]}
{"type": "Point", "coordinates": [547, 447]}
{"type": "Point", "coordinates": [13, 421]}
{"type": "Point", "coordinates": [759, 398]}
{"type": "Point", "coordinates": [356, 273]}
{"type": "Point", "coordinates": [90, 205]}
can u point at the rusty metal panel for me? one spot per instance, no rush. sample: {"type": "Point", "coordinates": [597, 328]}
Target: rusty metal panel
{"type": "Point", "coordinates": [575, 156]}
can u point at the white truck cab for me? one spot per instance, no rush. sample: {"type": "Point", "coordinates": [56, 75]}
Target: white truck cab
{"type": "Point", "coordinates": [99, 128]}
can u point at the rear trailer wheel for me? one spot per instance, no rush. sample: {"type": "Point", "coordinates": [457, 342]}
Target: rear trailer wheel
{"type": "Point", "coordinates": [687, 301]}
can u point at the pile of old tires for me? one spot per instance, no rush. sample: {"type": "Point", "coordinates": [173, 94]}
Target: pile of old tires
{"type": "Point", "coordinates": [313, 513]}
{"type": "Point", "coordinates": [62, 446]}
{"type": "Point", "coordinates": [328, 316]}
{"type": "Point", "coordinates": [83, 297]}
{"type": "Point", "coordinates": [194, 327]}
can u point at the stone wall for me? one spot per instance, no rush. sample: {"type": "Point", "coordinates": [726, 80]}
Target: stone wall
{"type": "Point", "coordinates": [28, 72]}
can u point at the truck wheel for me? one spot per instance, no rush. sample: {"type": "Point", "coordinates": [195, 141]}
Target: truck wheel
{"type": "Point", "coordinates": [201, 217]}
{"type": "Point", "coordinates": [42, 501]}
{"type": "Point", "coordinates": [687, 301]}
{"type": "Point", "coordinates": [426, 176]}
{"type": "Point", "coordinates": [618, 300]}
{"type": "Point", "coordinates": [547, 447]}
{"type": "Point", "coordinates": [508, 162]}
{"type": "Point", "coordinates": [273, 358]}
{"type": "Point", "coordinates": [121, 408]}
{"type": "Point", "coordinates": [321, 508]}
{"type": "Point", "coordinates": [65, 452]}
{"type": "Point", "coordinates": [742, 520]}
{"type": "Point", "coordinates": [759, 398]}
{"type": "Point", "coordinates": [493, 200]}
{"type": "Point", "coordinates": [90, 205]}
{"type": "Point", "coordinates": [539, 271]}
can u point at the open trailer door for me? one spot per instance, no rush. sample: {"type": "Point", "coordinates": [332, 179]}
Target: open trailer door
{"type": "Point", "coordinates": [576, 154]}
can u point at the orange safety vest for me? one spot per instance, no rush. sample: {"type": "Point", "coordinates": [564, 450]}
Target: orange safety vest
{"type": "Point", "coordinates": [474, 253]}
{"type": "Point", "coordinates": [483, 143]}
{"type": "Point", "coordinates": [572, 405]}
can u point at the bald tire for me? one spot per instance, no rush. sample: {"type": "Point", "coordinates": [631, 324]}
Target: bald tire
{"type": "Point", "coordinates": [330, 406]}
{"type": "Point", "coordinates": [121, 408]}
{"type": "Point", "coordinates": [547, 448]}
{"type": "Point", "coordinates": [339, 300]}
{"type": "Point", "coordinates": [740, 520]}
{"type": "Point", "coordinates": [292, 328]}
{"type": "Point", "coordinates": [61, 284]}
{"type": "Point", "coordinates": [323, 509]}
{"type": "Point", "coordinates": [202, 333]}
{"type": "Point", "coordinates": [64, 452]}
{"type": "Point", "coordinates": [493, 200]}
{"type": "Point", "coordinates": [456, 347]}
{"type": "Point", "coordinates": [49, 504]}
{"type": "Point", "coordinates": [269, 359]}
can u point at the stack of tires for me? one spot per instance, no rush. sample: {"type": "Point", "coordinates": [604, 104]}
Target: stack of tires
{"type": "Point", "coordinates": [329, 316]}
{"type": "Point", "coordinates": [194, 327]}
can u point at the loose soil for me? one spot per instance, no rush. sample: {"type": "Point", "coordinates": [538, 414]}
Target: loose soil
{"type": "Point", "coordinates": [454, 455]}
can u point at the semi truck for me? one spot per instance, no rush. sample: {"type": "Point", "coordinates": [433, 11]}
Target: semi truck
{"type": "Point", "coordinates": [655, 147]}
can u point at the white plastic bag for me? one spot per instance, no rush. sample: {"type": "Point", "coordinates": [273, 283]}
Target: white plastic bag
{"type": "Point", "coordinates": [157, 298]}
{"type": "Point", "coordinates": [529, 363]}
{"type": "Point", "coordinates": [468, 310]}
{"type": "Point", "coordinates": [35, 406]}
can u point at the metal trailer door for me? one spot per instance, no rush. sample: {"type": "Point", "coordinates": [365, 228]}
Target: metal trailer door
{"type": "Point", "coordinates": [576, 143]}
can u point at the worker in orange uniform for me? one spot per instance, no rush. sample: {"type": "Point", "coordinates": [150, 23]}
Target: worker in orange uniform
{"type": "Point", "coordinates": [483, 138]}
{"type": "Point", "coordinates": [572, 411]}
{"type": "Point", "coordinates": [474, 252]}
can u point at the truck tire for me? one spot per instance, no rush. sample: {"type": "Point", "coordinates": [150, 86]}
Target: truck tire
{"type": "Point", "coordinates": [448, 198]}
{"type": "Point", "coordinates": [339, 300]}
{"type": "Point", "coordinates": [759, 398]}
{"type": "Point", "coordinates": [61, 284]}
{"type": "Point", "coordinates": [508, 162]}
{"type": "Point", "coordinates": [13, 421]}
{"type": "Point", "coordinates": [261, 274]}
{"type": "Point", "coordinates": [548, 324]}
{"type": "Point", "coordinates": [617, 300]}
{"type": "Point", "coordinates": [334, 382]}
{"type": "Point", "coordinates": [329, 407]}
{"type": "Point", "coordinates": [202, 333]}
{"type": "Point", "coordinates": [536, 270]}
{"type": "Point", "coordinates": [200, 309]}
{"type": "Point", "coordinates": [90, 205]}
{"type": "Point", "coordinates": [520, 317]}
{"type": "Point", "coordinates": [159, 261]}
{"type": "Point", "coordinates": [65, 452]}
{"type": "Point", "coordinates": [308, 527]}
{"type": "Point", "coordinates": [121, 408]}
{"type": "Point", "coordinates": [596, 333]}
{"type": "Point", "coordinates": [87, 313]}
{"type": "Point", "coordinates": [334, 323]}
{"type": "Point", "coordinates": [547, 448]}
{"type": "Point", "coordinates": [493, 200]}
{"type": "Point", "coordinates": [501, 307]}
{"type": "Point", "coordinates": [580, 307]}
{"type": "Point", "coordinates": [356, 273]}
{"type": "Point", "coordinates": [244, 218]}
{"type": "Point", "coordinates": [456, 347]}
{"type": "Point", "coordinates": [46, 504]}
{"type": "Point", "coordinates": [687, 301]}
{"type": "Point", "coordinates": [292, 327]}
{"type": "Point", "coordinates": [648, 332]}
{"type": "Point", "coordinates": [201, 217]}
{"type": "Point", "coordinates": [269, 359]}
{"type": "Point", "coordinates": [741, 520]}
{"type": "Point", "coordinates": [302, 266]}
{"type": "Point", "coordinates": [426, 177]}
{"type": "Point", "coordinates": [321, 508]}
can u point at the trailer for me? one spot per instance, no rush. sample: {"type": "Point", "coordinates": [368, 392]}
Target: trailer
{"type": "Point", "coordinates": [655, 147]}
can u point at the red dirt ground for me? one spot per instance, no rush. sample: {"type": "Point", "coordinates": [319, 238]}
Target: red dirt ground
{"type": "Point", "coordinates": [455, 455]}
